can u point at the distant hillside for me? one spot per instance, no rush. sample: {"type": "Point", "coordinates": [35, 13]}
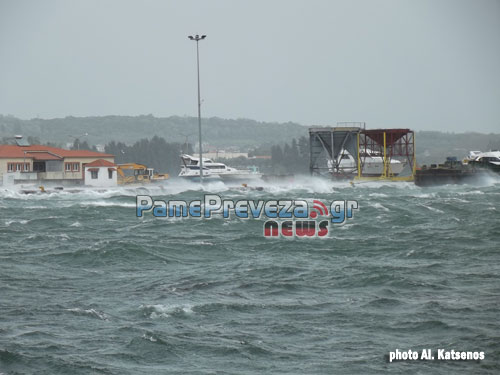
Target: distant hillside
{"type": "Point", "coordinates": [216, 131]}
{"type": "Point", "coordinates": [431, 147]}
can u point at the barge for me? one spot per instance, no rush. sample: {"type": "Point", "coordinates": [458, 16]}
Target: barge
{"type": "Point", "coordinates": [452, 171]}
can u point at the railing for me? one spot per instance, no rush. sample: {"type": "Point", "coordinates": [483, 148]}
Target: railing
{"type": "Point", "coordinates": [34, 175]}
{"type": "Point", "coordinates": [26, 176]}
{"type": "Point", "coordinates": [351, 124]}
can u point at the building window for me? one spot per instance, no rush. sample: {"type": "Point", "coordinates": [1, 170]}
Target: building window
{"type": "Point", "coordinates": [93, 174]}
{"type": "Point", "coordinates": [72, 167]}
{"type": "Point", "coordinates": [18, 167]}
{"type": "Point", "coordinates": [110, 174]}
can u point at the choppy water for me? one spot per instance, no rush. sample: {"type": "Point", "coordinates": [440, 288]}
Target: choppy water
{"type": "Point", "coordinates": [86, 287]}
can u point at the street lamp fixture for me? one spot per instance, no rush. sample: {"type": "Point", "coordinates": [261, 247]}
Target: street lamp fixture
{"type": "Point", "coordinates": [197, 38]}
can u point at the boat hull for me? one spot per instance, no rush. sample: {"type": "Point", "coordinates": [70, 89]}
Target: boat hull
{"type": "Point", "coordinates": [197, 178]}
{"type": "Point", "coordinates": [447, 176]}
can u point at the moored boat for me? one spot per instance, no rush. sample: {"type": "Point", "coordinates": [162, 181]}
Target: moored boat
{"type": "Point", "coordinates": [214, 170]}
{"type": "Point", "coordinates": [488, 160]}
{"type": "Point", "coordinates": [372, 164]}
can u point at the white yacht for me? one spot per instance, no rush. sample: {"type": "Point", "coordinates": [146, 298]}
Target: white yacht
{"type": "Point", "coordinates": [490, 156]}
{"type": "Point", "coordinates": [190, 168]}
{"type": "Point", "coordinates": [490, 159]}
{"type": "Point", "coordinates": [373, 164]}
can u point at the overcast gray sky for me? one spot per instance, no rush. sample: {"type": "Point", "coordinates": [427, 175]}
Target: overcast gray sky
{"type": "Point", "coordinates": [424, 64]}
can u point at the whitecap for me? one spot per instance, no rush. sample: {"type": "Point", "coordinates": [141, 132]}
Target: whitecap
{"type": "Point", "coordinates": [201, 242]}
{"type": "Point", "coordinates": [425, 195]}
{"type": "Point", "coordinates": [378, 195]}
{"type": "Point", "coordinates": [472, 192]}
{"type": "Point", "coordinates": [89, 312]}
{"type": "Point", "coordinates": [379, 206]}
{"type": "Point", "coordinates": [150, 338]}
{"type": "Point", "coordinates": [165, 311]}
{"type": "Point", "coordinates": [16, 221]}
{"type": "Point", "coordinates": [432, 208]}
{"type": "Point", "coordinates": [103, 203]}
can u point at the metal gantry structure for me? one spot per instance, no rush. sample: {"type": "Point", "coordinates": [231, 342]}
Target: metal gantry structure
{"type": "Point", "coordinates": [389, 144]}
{"type": "Point", "coordinates": [330, 146]}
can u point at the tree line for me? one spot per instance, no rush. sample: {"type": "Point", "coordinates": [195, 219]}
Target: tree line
{"type": "Point", "coordinates": [155, 153]}
{"type": "Point", "coordinates": [286, 158]}
{"type": "Point", "coordinates": [164, 157]}
{"type": "Point", "coordinates": [291, 158]}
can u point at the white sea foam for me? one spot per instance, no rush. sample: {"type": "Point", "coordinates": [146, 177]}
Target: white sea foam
{"type": "Point", "coordinates": [382, 184]}
{"type": "Point", "coordinates": [432, 208]}
{"type": "Point", "coordinates": [307, 184]}
{"type": "Point", "coordinates": [201, 242]}
{"type": "Point", "coordinates": [425, 195]}
{"type": "Point", "coordinates": [454, 199]}
{"type": "Point", "coordinates": [344, 226]}
{"type": "Point", "coordinates": [89, 312]}
{"type": "Point", "coordinates": [378, 195]}
{"type": "Point", "coordinates": [14, 221]}
{"type": "Point", "coordinates": [165, 311]}
{"type": "Point", "coordinates": [97, 196]}
{"type": "Point", "coordinates": [472, 192]}
{"type": "Point", "coordinates": [103, 203]}
{"type": "Point", "coordinates": [379, 206]}
{"type": "Point", "coordinates": [149, 337]}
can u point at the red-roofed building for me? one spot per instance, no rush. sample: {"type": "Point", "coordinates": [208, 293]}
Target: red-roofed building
{"type": "Point", "coordinates": [100, 163]}
{"type": "Point", "coordinates": [101, 173]}
{"type": "Point", "coordinates": [41, 164]}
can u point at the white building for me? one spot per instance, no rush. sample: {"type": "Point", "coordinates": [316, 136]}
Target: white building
{"type": "Point", "coordinates": [100, 173]}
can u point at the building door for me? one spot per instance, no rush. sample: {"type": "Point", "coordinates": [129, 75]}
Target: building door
{"type": "Point", "coordinates": [38, 166]}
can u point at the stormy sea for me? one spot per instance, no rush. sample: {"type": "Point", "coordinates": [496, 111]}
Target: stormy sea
{"type": "Point", "coordinates": [87, 287]}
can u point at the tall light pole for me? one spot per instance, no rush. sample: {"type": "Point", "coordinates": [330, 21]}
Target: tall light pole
{"type": "Point", "coordinates": [197, 38]}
